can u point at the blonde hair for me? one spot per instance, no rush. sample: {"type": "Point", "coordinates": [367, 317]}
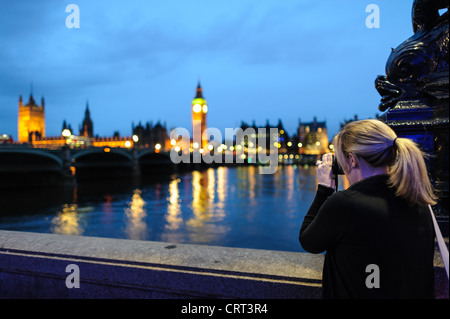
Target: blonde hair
{"type": "Point", "coordinates": [378, 145]}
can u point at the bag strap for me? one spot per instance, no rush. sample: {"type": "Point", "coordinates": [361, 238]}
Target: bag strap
{"type": "Point", "coordinates": [442, 247]}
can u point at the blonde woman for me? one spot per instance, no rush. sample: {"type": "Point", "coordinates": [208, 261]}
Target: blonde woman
{"type": "Point", "coordinates": [378, 234]}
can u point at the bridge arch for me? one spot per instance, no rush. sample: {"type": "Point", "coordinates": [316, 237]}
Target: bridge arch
{"type": "Point", "coordinates": [152, 163]}
{"type": "Point", "coordinates": [106, 151]}
{"type": "Point", "coordinates": [102, 164]}
{"type": "Point", "coordinates": [30, 168]}
{"type": "Point", "coordinates": [19, 157]}
{"type": "Point", "coordinates": [148, 151]}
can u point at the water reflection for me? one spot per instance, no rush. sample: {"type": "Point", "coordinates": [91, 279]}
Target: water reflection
{"type": "Point", "coordinates": [67, 221]}
{"type": "Point", "coordinates": [208, 205]}
{"type": "Point", "coordinates": [136, 227]}
{"type": "Point", "coordinates": [173, 216]}
{"type": "Point", "coordinates": [222, 190]}
{"type": "Point", "coordinates": [200, 184]}
{"type": "Point", "coordinates": [224, 206]}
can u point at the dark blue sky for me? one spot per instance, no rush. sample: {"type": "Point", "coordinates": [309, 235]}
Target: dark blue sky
{"type": "Point", "coordinates": [141, 60]}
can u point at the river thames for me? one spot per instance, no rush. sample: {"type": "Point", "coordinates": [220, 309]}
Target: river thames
{"type": "Point", "coordinates": [223, 206]}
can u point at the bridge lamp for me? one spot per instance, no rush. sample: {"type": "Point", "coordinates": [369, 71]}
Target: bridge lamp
{"type": "Point", "coordinates": [158, 146]}
{"type": "Point", "coordinates": [127, 144]}
{"type": "Point", "coordinates": [135, 138]}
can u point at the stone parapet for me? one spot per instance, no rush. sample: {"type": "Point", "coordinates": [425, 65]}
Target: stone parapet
{"type": "Point", "coordinates": [34, 265]}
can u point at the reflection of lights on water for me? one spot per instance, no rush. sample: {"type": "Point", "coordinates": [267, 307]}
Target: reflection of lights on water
{"type": "Point", "coordinates": [199, 201]}
{"type": "Point", "coordinates": [211, 184]}
{"type": "Point", "coordinates": [208, 203]}
{"type": "Point", "coordinates": [290, 181]}
{"type": "Point", "coordinates": [136, 227]}
{"type": "Point", "coordinates": [222, 182]}
{"type": "Point", "coordinates": [173, 210]}
{"type": "Point", "coordinates": [67, 221]}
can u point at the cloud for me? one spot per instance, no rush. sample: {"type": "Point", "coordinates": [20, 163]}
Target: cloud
{"type": "Point", "coordinates": [146, 56]}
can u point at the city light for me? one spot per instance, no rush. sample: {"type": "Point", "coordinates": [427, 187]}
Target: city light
{"type": "Point", "coordinates": [127, 144]}
{"type": "Point", "coordinates": [158, 146]}
{"type": "Point", "coordinates": [173, 141]}
{"type": "Point", "coordinates": [66, 133]}
{"type": "Point", "coordinates": [135, 138]}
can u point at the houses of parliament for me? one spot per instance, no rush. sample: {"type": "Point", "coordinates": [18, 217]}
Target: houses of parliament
{"type": "Point", "coordinates": [310, 139]}
{"type": "Point", "coordinates": [31, 130]}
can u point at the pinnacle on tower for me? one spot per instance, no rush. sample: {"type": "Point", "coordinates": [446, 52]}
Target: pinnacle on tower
{"type": "Point", "coordinates": [199, 94]}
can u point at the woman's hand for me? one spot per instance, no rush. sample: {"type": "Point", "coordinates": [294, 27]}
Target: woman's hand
{"type": "Point", "coordinates": [324, 172]}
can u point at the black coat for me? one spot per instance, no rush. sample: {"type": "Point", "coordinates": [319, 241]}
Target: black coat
{"type": "Point", "coordinates": [368, 225]}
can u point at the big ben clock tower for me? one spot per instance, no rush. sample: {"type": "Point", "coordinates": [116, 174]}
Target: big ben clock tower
{"type": "Point", "coordinates": [199, 111]}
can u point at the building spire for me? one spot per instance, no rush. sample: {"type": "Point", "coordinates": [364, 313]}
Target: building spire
{"type": "Point", "coordinates": [87, 112]}
{"type": "Point", "coordinates": [199, 94]}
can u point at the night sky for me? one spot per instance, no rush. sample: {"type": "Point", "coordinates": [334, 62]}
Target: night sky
{"type": "Point", "coordinates": [138, 61]}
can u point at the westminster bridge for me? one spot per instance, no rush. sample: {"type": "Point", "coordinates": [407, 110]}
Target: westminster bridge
{"type": "Point", "coordinates": [24, 165]}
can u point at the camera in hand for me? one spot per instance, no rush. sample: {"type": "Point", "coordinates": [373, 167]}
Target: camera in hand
{"type": "Point", "coordinates": [336, 168]}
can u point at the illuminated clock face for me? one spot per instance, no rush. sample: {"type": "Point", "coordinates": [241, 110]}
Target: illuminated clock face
{"type": "Point", "coordinates": [197, 108]}
{"type": "Point", "coordinates": [205, 108]}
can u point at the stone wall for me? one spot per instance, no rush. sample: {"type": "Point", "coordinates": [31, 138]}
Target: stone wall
{"type": "Point", "coordinates": [36, 265]}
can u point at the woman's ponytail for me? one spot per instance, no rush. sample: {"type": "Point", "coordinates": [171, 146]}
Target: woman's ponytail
{"type": "Point", "coordinates": [378, 145]}
{"type": "Point", "coordinates": [408, 174]}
